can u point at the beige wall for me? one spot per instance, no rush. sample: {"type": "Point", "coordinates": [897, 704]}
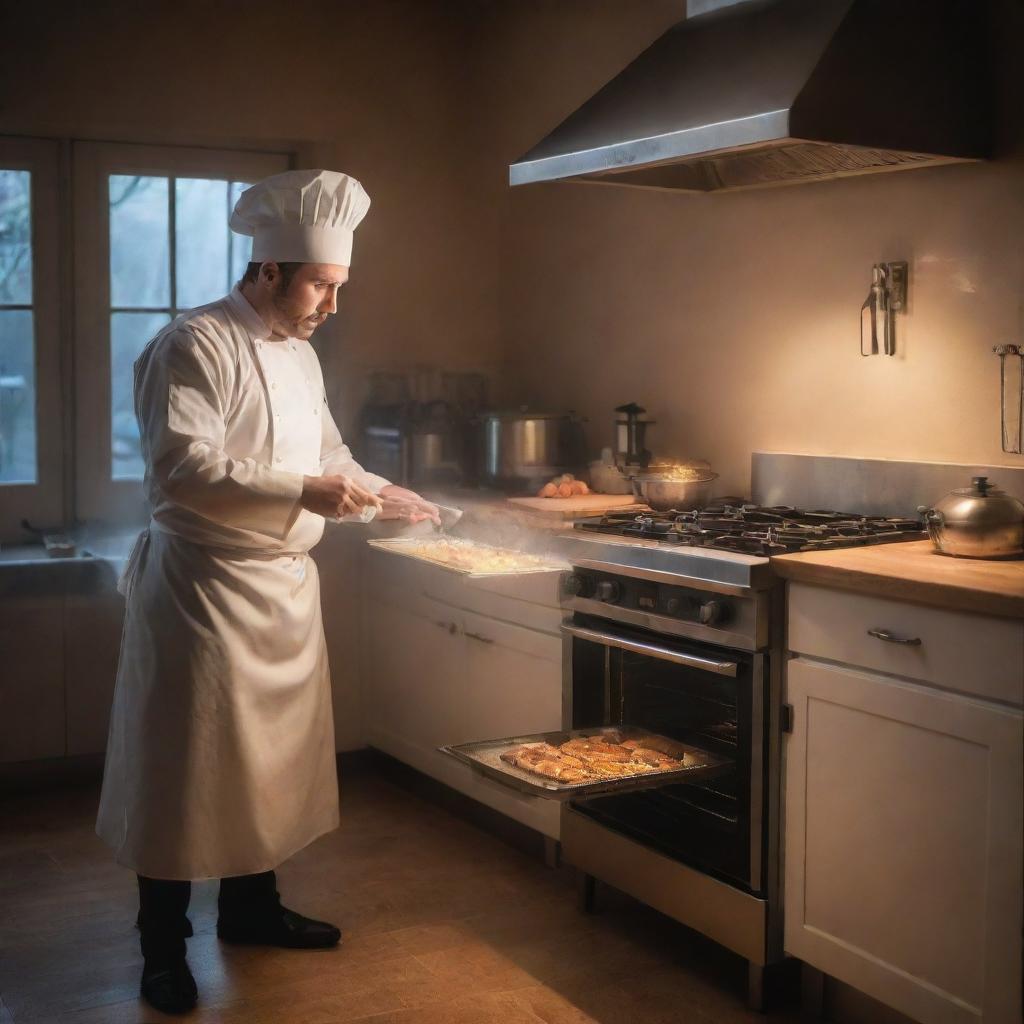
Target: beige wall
{"type": "Point", "coordinates": [371, 88]}
{"type": "Point", "coordinates": [734, 318]}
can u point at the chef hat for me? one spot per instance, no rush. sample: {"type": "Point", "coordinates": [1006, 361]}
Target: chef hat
{"type": "Point", "coordinates": [301, 217]}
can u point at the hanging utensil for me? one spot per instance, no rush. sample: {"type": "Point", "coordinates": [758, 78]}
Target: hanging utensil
{"type": "Point", "coordinates": [869, 314]}
{"type": "Point", "coordinates": [888, 296]}
{"type": "Point", "coordinates": [1012, 433]}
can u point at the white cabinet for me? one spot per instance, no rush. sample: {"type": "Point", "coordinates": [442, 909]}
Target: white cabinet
{"type": "Point", "coordinates": [32, 723]}
{"type": "Point", "coordinates": [414, 695]}
{"type": "Point", "coordinates": [903, 828]}
{"type": "Point", "coordinates": [435, 673]}
{"type": "Point", "coordinates": [513, 679]}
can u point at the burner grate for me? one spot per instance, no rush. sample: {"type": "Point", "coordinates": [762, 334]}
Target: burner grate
{"type": "Point", "coordinates": [732, 524]}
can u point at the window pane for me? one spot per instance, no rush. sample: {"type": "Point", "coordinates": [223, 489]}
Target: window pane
{"type": "Point", "coordinates": [241, 245]}
{"type": "Point", "coordinates": [129, 335]}
{"type": "Point", "coordinates": [17, 398]}
{"type": "Point", "coordinates": [202, 241]}
{"type": "Point", "coordinates": [139, 268]}
{"type": "Point", "coordinates": [15, 237]}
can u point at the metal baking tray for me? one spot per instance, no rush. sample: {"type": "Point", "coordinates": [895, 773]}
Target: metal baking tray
{"type": "Point", "coordinates": [406, 546]}
{"type": "Point", "coordinates": [485, 757]}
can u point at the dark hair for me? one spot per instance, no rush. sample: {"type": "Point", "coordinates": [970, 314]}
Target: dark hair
{"type": "Point", "coordinates": [252, 272]}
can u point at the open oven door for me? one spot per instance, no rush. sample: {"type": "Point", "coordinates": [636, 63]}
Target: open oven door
{"type": "Point", "coordinates": [669, 733]}
{"type": "Point", "coordinates": [605, 753]}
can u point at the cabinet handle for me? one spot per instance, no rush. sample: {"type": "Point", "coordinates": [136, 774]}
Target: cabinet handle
{"type": "Point", "coordinates": [884, 634]}
{"type": "Point", "coordinates": [477, 636]}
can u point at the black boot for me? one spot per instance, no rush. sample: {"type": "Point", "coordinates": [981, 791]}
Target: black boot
{"type": "Point", "coordinates": [167, 983]}
{"type": "Point", "coordinates": [250, 913]}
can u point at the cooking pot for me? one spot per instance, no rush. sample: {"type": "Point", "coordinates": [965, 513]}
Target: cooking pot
{"type": "Point", "coordinates": [664, 494]}
{"type": "Point", "coordinates": [522, 450]}
{"type": "Point", "coordinates": [979, 521]}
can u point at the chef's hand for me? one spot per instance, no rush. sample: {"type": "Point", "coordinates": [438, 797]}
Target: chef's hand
{"type": "Point", "coordinates": [401, 503]}
{"type": "Point", "coordinates": [333, 496]}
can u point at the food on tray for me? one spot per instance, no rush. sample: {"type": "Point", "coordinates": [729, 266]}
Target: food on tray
{"type": "Point", "coordinates": [564, 486]}
{"type": "Point", "coordinates": [608, 755]}
{"type": "Point", "coordinates": [679, 472]}
{"type": "Point", "coordinates": [459, 553]}
{"type": "Point", "coordinates": [544, 759]}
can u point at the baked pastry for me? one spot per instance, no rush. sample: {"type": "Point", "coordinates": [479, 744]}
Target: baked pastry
{"type": "Point", "coordinates": [608, 755]}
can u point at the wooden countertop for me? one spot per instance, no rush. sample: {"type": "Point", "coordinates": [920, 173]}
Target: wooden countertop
{"type": "Point", "coordinates": [913, 571]}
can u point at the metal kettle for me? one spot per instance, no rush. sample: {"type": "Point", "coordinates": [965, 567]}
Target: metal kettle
{"type": "Point", "coordinates": [979, 521]}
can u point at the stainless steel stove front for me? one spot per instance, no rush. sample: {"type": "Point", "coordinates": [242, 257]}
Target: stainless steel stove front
{"type": "Point", "coordinates": [690, 654]}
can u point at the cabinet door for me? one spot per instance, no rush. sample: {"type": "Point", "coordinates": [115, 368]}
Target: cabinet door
{"type": "Point", "coordinates": [32, 678]}
{"type": "Point", "coordinates": [903, 843]}
{"type": "Point", "coordinates": [514, 680]}
{"type": "Point", "coordinates": [414, 700]}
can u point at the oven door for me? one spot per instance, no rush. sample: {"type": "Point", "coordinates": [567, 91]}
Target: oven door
{"type": "Point", "coordinates": [706, 697]}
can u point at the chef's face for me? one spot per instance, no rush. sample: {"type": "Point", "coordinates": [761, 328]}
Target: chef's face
{"type": "Point", "coordinates": [307, 300]}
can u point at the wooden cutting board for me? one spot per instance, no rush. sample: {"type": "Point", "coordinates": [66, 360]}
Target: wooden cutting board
{"type": "Point", "coordinates": [574, 508]}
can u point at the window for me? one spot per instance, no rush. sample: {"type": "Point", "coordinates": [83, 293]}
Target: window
{"type": "Point", "coordinates": [31, 436]}
{"type": "Point", "coordinates": [170, 250]}
{"type": "Point", "coordinates": [151, 240]}
{"type": "Point", "coordinates": [17, 336]}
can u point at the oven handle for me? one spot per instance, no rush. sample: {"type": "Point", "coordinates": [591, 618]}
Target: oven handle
{"type": "Point", "coordinates": [722, 668]}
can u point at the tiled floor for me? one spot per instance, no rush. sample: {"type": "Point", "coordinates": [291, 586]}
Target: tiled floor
{"type": "Point", "coordinates": [442, 922]}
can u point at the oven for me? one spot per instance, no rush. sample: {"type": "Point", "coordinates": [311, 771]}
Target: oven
{"type": "Point", "coordinates": [711, 700]}
{"type": "Point", "coordinates": [678, 650]}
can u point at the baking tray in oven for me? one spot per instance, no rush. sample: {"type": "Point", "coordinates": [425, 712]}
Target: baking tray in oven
{"type": "Point", "coordinates": [485, 757]}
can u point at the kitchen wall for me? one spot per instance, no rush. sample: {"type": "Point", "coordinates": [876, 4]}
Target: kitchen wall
{"type": "Point", "coordinates": [374, 89]}
{"type": "Point", "coordinates": [734, 318]}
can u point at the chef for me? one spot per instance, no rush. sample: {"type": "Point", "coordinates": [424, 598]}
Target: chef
{"type": "Point", "coordinates": [221, 761]}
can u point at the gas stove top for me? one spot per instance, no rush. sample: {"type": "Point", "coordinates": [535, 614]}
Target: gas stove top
{"type": "Point", "coordinates": [734, 525]}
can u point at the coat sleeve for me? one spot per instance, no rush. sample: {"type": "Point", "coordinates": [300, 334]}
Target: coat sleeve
{"type": "Point", "coordinates": [336, 457]}
{"type": "Point", "coordinates": [181, 393]}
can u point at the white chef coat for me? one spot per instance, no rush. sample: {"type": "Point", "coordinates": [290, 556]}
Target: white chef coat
{"type": "Point", "coordinates": [220, 759]}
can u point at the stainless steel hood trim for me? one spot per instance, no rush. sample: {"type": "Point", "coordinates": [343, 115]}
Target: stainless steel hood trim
{"type": "Point", "coordinates": [769, 92]}
{"type": "Point", "coordinates": [757, 129]}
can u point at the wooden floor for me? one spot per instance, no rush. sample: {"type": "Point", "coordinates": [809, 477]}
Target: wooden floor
{"type": "Point", "coordinates": [442, 921]}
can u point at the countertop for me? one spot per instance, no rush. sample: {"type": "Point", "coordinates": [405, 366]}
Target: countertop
{"type": "Point", "coordinates": [913, 571]}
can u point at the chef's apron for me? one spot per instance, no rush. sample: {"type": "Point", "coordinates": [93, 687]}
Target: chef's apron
{"type": "Point", "coordinates": [220, 758]}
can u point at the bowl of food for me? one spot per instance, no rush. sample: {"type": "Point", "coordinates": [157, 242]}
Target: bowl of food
{"type": "Point", "coordinates": [680, 486]}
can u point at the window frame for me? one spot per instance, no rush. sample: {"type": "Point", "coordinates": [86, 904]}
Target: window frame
{"type": "Point", "coordinates": [43, 503]}
{"type": "Point", "coordinates": [99, 497]}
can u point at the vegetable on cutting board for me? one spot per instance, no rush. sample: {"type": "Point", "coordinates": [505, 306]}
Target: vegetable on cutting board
{"type": "Point", "coordinates": [564, 486]}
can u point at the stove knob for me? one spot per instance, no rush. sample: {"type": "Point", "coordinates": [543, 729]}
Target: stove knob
{"type": "Point", "coordinates": [710, 612]}
{"type": "Point", "coordinates": [577, 586]}
{"type": "Point", "coordinates": [675, 606]}
{"type": "Point", "coordinates": [608, 591]}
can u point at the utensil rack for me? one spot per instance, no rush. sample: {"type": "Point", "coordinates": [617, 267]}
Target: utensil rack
{"type": "Point", "coordinates": [887, 297]}
{"type": "Point", "coordinates": [1013, 383]}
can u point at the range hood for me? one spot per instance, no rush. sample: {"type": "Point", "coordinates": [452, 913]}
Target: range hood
{"type": "Point", "coordinates": [768, 92]}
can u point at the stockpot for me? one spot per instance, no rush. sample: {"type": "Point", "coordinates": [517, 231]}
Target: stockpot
{"type": "Point", "coordinates": [521, 450]}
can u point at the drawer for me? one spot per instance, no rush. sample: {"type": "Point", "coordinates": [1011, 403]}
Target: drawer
{"type": "Point", "coordinates": [976, 654]}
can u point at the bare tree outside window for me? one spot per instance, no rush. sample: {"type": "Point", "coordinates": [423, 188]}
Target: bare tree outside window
{"type": "Point", "coordinates": [170, 250]}
{"type": "Point", "coordinates": [17, 334]}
